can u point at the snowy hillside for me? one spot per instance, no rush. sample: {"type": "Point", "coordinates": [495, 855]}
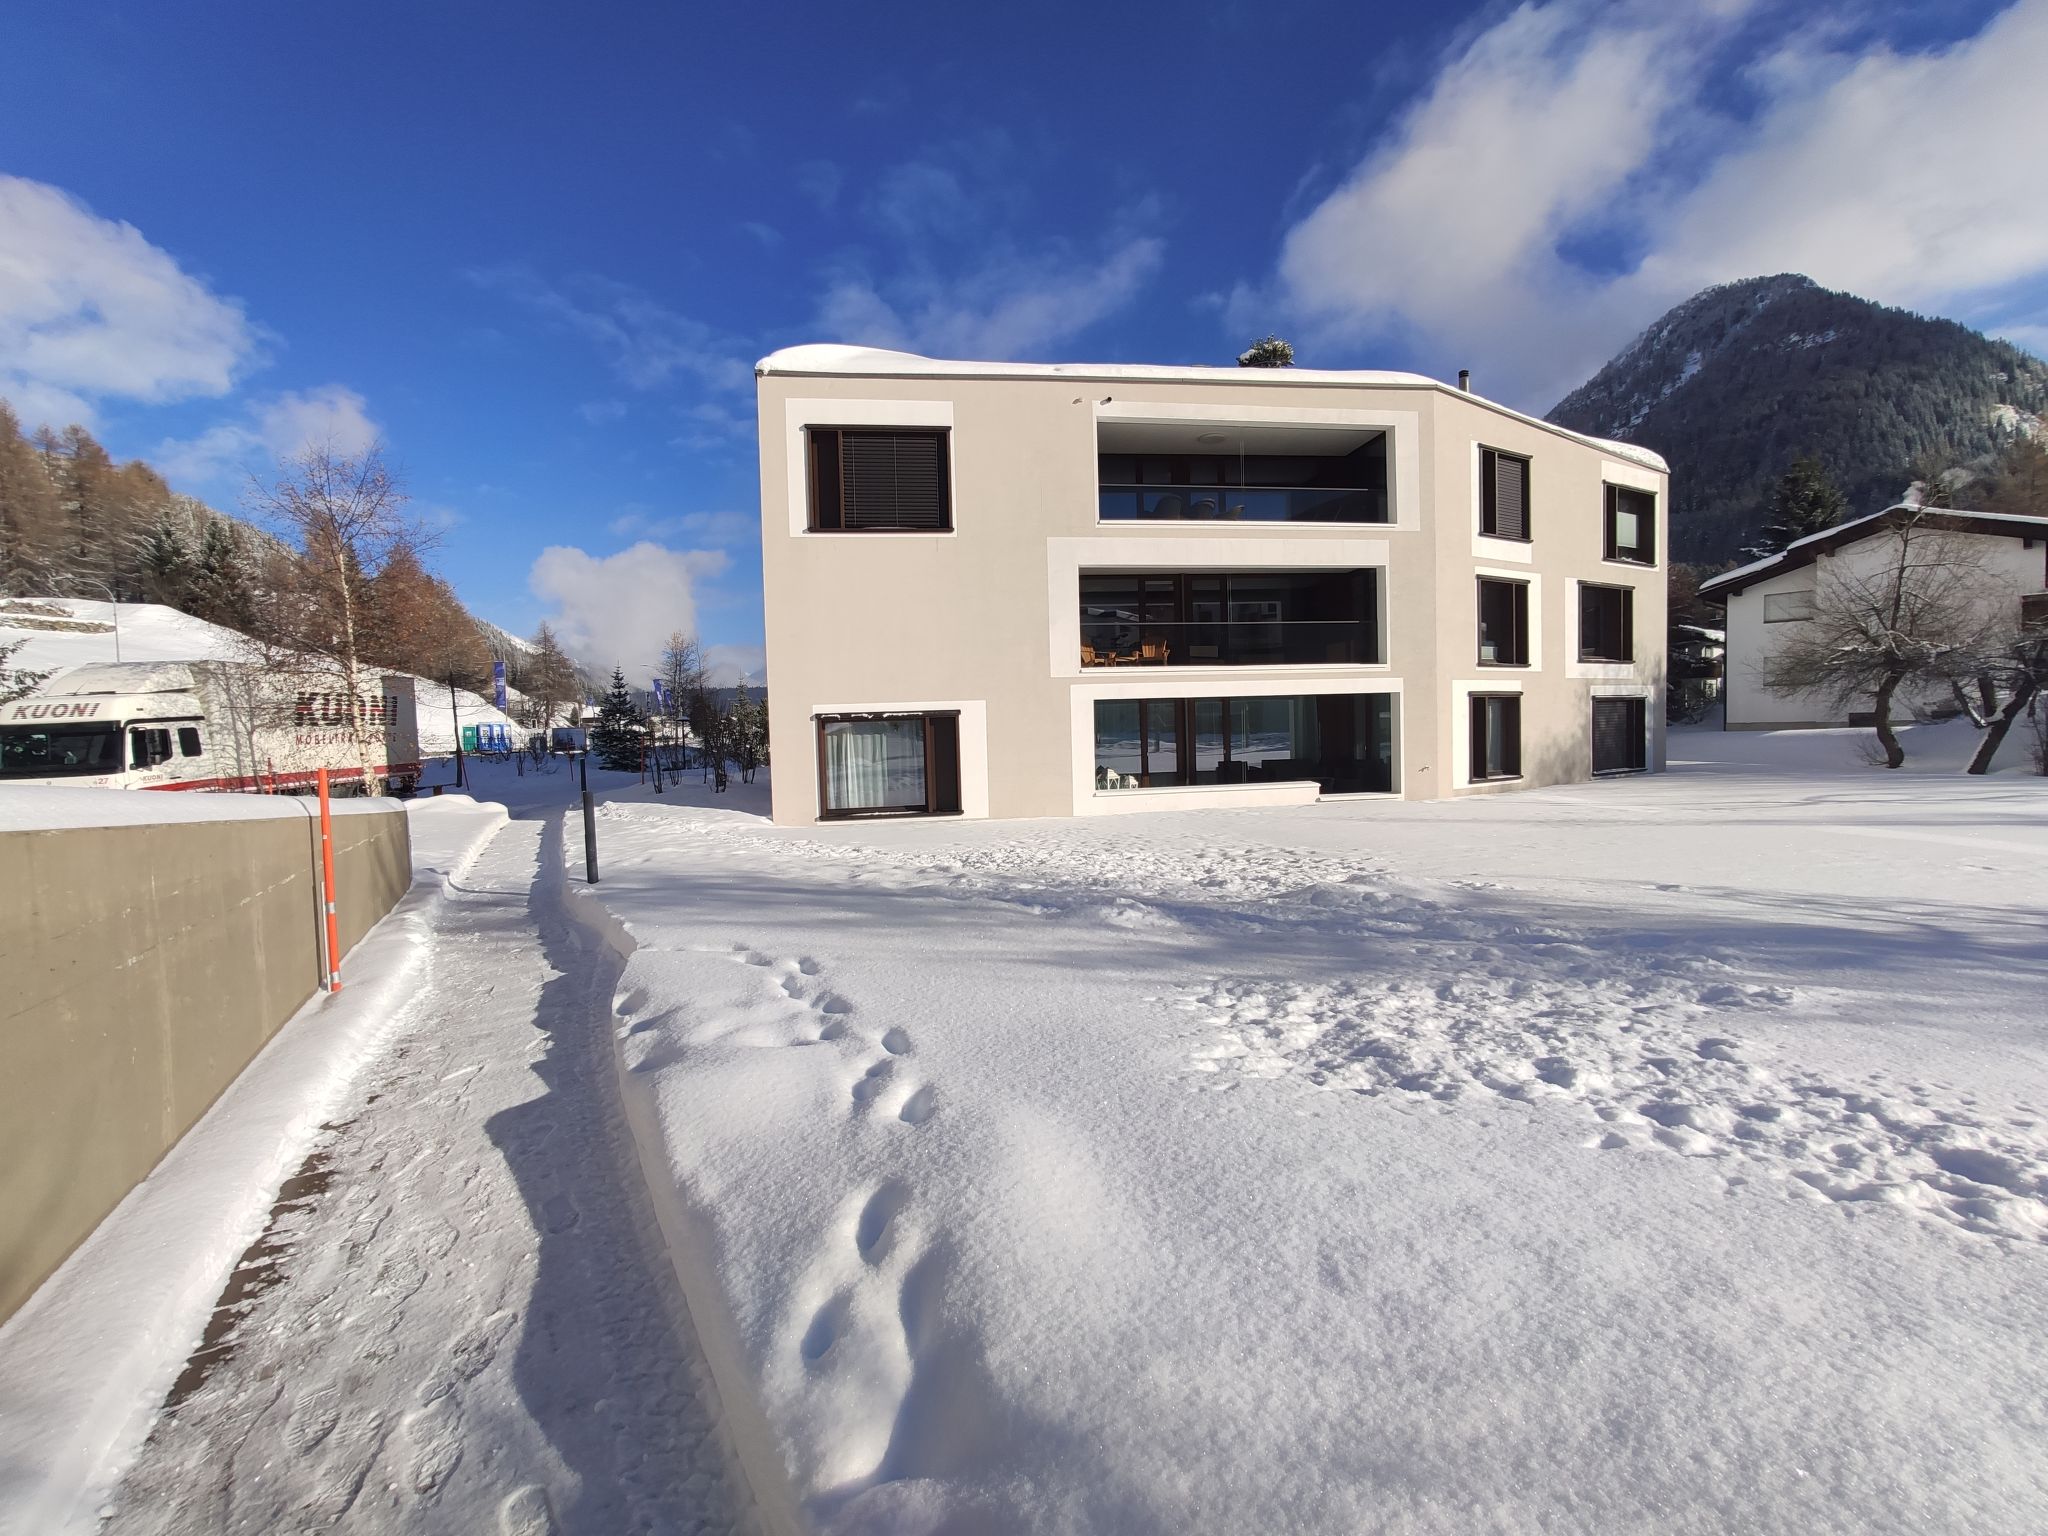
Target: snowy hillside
{"type": "Point", "coordinates": [1735, 383]}
{"type": "Point", "coordinates": [63, 633]}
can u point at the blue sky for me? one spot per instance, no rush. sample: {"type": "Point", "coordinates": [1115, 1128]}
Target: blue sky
{"type": "Point", "coordinates": [536, 249]}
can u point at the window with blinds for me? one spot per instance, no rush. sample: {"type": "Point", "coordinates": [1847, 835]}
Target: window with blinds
{"type": "Point", "coordinates": [880, 480]}
{"type": "Point", "coordinates": [1503, 495]}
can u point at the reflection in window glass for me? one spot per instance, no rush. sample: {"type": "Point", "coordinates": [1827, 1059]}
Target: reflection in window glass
{"type": "Point", "coordinates": [874, 764]}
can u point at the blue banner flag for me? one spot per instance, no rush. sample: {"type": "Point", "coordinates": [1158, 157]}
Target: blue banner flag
{"type": "Point", "coordinates": [661, 695]}
{"type": "Point", "coordinates": [498, 684]}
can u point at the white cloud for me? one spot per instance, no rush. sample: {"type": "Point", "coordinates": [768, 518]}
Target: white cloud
{"type": "Point", "coordinates": [329, 416]}
{"type": "Point", "coordinates": [618, 610]}
{"type": "Point", "coordinates": [717, 530]}
{"type": "Point", "coordinates": [1011, 308]}
{"type": "Point", "coordinates": [1897, 176]}
{"type": "Point", "coordinates": [726, 665]}
{"type": "Point", "coordinates": [598, 412]}
{"type": "Point", "coordinates": [646, 343]}
{"type": "Point", "coordinates": [90, 310]}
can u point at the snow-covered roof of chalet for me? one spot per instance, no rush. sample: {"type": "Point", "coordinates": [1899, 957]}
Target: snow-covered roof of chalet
{"type": "Point", "coordinates": [1805, 551]}
{"type": "Point", "coordinates": [836, 359]}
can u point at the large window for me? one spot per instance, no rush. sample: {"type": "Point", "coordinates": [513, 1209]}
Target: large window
{"type": "Point", "coordinates": [1503, 495]}
{"type": "Point", "coordinates": [880, 480]}
{"type": "Point", "coordinates": [1496, 736]}
{"type": "Point", "coordinates": [1607, 623]}
{"type": "Point", "coordinates": [1342, 742]}
{"type": "Point", "coordinates": [1231, 619]}
{"type": "Point", "coordinates": [1631, 525]}
{"type": "Point", "coordinates": [889, 765]}
{"type": "Point", "coordinates": [59, 751]}
{"type": "Point", "coordinates": [1246, 487]}
{"type": "Point", "coordinates": [1503, 623]}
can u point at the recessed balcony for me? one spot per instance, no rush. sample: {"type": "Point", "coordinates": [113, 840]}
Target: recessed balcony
{"type": "Point", "coordinates": [1231, 619]}
{"type": "Point", "coordinates": [1197, 472]}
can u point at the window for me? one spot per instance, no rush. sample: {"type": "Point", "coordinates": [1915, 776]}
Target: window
{"type": "Point", "coordinates": [1787, 607]}
{"type": "Point", "coordinates": [1171, 486]}
{"type": "Point", "coordinates": [889, 765]}
{"type": "Point", "coordinates": [188, 741]}
{"type": "Point", "coordinates": [880, 480]}
{"type": "Point", "coordinates": [1496, 736]}
{"type": "Point", "coordinates": [1620, 739]}
{"type": "Point", "coordinates": [1342, 742]}
{"type": "Point", "coordinates": [1231, 619]}
{"type": "Point", "coordinates": [1631, 525]}
{"type": "Point", "coordinates": [148, 746]}
{"type": "Point", "coordinates": [59, 751]}
{"type": "Point", "coordinates": [1607, 623]}
{"type": "Point", "coordinates": [1503, 623]}
{"type": "Point", "coordinates": [1503, 495]}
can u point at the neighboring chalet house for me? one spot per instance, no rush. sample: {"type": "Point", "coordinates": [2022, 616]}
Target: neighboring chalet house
{"type": "Point", "coordinates": [1769, 599]}
{"type": "Point", "coordinates": [1007, 590]}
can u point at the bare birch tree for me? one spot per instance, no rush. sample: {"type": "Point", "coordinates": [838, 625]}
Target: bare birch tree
{"type": "Point", "coordinates": [320, 617]}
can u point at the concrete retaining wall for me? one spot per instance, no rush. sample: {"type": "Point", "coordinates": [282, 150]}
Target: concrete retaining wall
{"type": "Point", "coordinates": [141, 968]}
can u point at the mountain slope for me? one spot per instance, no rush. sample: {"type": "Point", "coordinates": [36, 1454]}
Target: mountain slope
{"type": "Point", "coordinates": [1739, 380]}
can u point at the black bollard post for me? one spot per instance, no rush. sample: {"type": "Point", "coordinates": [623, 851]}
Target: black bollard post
{"type": "Point", "coordinates": [589, 821]}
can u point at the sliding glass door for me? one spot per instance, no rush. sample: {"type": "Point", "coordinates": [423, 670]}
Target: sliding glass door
{"type": "Point", "coordinates": [889, 765]}
{"type": "Point", "coordinates": [1342, 742]}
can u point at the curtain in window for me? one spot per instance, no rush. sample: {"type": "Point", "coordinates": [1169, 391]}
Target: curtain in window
{"type": "Point", "coordinates": [874, 765]}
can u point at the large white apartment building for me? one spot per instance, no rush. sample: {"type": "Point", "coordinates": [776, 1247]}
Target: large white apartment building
{"type": "Point", "coordinates": [1048, 590]}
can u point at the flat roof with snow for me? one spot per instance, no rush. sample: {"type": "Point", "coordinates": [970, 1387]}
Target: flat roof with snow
{"type": "Point", "coordinates": [834, 360]}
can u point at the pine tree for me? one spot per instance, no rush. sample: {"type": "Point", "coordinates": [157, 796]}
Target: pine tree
{"type": "Point", "coordinates": [166, 563]}
{"type": "Point", "coordinates": [1267, 352]}
{"type": "Point", "coordinates": [219, 585]}
{"type": "Point", "coordinates": [1804, 502]}
{"type": "Point", "coordinates": [616, 739]}
{"type": "Point", "coordinates": [16, 682]}
{"type": "Point", "coordinates": [2019, 485]}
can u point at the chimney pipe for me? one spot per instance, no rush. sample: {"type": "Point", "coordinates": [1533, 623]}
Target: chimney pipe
{"type": "Point", "coordinates": [1465, 380]}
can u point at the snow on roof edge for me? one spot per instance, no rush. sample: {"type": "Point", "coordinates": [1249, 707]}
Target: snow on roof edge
{"type": "Point", "coordinates": [1781, 558]}
{"type": "Point", "coordinates": [835, 358]}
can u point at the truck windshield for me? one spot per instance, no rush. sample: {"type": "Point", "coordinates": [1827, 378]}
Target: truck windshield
{"type": "Point", "coordinates": [48, 752]}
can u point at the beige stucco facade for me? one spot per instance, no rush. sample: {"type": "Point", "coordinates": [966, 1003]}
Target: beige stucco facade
{"type": "Point", "coordinates": [984, 618]}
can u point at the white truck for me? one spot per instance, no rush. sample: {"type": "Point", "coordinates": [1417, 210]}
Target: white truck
{"type": "Point", "coordinates": [209, 725]}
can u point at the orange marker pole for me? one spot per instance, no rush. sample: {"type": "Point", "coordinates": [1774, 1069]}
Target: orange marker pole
{"type": "Point", "coordinates": [327, 874]}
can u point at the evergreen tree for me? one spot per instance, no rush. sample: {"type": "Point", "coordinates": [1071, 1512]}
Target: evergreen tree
{"type": "Point", "coordinates": [219, 586]}
{"type": "Point", "coordinates": [747, 733]}
{"type": "Point", "coordinates": [1804, 502]}
{"type": "Point", "coordinates": [2019, 484]}
{"type": "Point", "coordinates": [16, 682]}
{"type": "Point", "coordinates": [616, 738]}
{"type": "Point", "coordinates": [1267, 352]}
{"type": "Point", "coordinates": [166, 563]}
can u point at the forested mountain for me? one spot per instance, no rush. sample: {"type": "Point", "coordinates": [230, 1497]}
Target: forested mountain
{"type": "Point", "coordinates": [1739, 381]}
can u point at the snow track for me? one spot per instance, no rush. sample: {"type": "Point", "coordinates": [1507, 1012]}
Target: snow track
{"type": "Point", "coordinates": [465, 1321]}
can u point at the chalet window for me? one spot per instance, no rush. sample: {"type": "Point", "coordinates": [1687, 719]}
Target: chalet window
{"type": "Point", "coordinates": [1503, 495]}
{"type": "Point", "coordinates": [880, 480]}
{"type": "Point", "coordinates": [1503, 623]}
{"type": "Point", "coordinates": [1496, 736]}
{"type": "Point", "coordinates": [889, 765]}
{"type": "Point", "coordinates": [1607, 623]}
{"type": "Point", "coordinates": [1631, 525]}
{"type": "Point", "coordinates": [1787, 607]}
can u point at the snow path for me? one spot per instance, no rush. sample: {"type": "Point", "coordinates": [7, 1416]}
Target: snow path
{"type": "Point", "coordinates": [460, 1318]}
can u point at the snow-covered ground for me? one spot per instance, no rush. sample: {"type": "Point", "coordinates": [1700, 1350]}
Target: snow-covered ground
{"type": "Point", "coordinates": [1662, 1154]}
{"type": "Point", "coordinates": [84, 635]}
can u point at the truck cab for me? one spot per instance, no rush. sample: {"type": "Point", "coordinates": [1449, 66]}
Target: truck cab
{"type": "Point", "coordinates": [118, 741]}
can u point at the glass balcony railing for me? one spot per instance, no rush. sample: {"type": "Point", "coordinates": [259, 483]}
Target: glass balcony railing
{"type": "Point", "coordinates": [1265, 643]}
{"type": "Point", "coordinates": [1239, 504]}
